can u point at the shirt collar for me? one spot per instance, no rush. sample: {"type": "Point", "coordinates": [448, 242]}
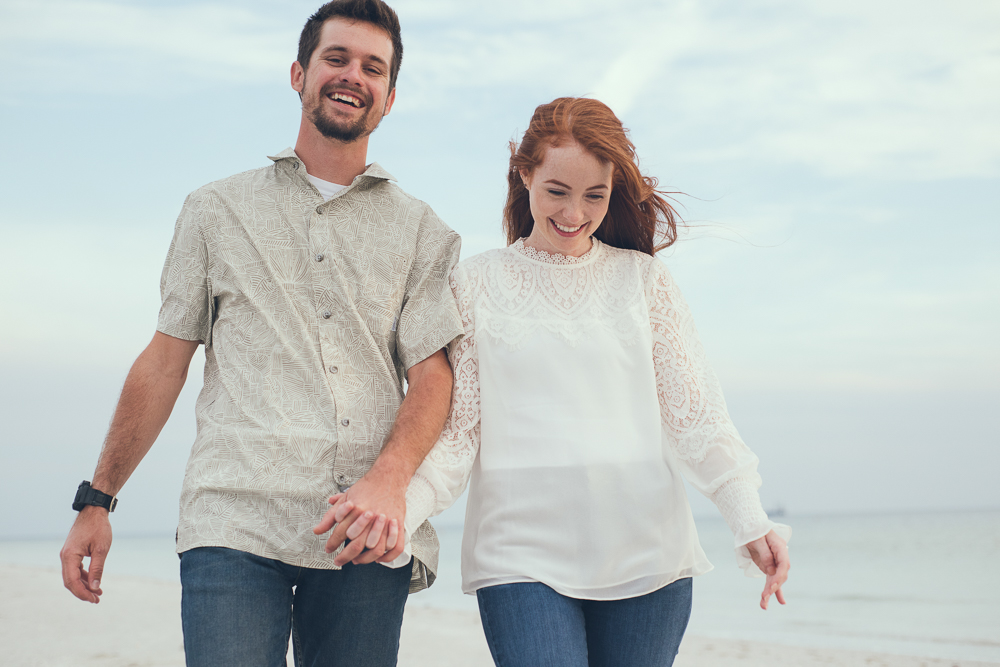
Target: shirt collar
{"type": "Point", "coordinates": [374, 170]}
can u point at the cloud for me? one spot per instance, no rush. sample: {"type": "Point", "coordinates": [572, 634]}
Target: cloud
{"type": "Point", "coordinates": [875, 90]}
{"type": "Point", "coordinates": [96, 46]}
{"type": "Point", "coordinates": [865, 89]}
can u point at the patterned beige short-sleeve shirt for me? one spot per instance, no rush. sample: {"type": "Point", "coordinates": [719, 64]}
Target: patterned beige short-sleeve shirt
{"type": "Point", "coordinates": [311, 311]}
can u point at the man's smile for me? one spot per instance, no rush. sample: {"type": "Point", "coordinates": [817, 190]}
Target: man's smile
{"type": "Point", "coordinates": [342, 97]}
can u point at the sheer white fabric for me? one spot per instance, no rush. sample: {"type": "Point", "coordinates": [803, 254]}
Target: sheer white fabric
{"type": "Point", "coordinates": [581, 395]}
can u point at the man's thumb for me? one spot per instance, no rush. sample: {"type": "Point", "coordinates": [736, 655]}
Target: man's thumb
{"type": "Point", "coordinates": [96, 572]}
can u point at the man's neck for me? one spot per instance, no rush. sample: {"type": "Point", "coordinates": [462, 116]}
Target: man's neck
{"type": "Point", "coordinates": [329, 159]}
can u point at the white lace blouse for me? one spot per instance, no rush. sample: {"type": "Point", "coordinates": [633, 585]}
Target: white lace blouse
{"type": "Point", "coordinates": [581, 395]}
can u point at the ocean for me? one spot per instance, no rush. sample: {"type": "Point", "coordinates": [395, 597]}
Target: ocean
{"type": "Point", "coordinates": [924, 584]}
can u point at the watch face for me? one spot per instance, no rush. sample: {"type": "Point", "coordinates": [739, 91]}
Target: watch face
{"type": "Point", "coordinates": [88, 495]}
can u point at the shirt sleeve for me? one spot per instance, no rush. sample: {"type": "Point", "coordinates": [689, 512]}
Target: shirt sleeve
{"type": "Point", "coordinates": [697, 430]}
{"type": "Point", "coordinates": [444, 474]}
{"type": "Point", "coordinates": [187, 307]}
{"type": "Point", "coordinates": [429, 320]}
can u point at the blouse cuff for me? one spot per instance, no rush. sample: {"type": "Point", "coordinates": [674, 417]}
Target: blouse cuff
{"type": "Point", "coordinates": [421, 500]}
{"type": "Point", "coordinates": [739, 503]}
{"type": "Point", "coordinates": [743, 558]}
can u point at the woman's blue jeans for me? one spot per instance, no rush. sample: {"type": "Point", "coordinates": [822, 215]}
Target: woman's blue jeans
{"type": "Point", "coordinates": [529, 624]}
{"type": "Point", "coordinates": [237, 610]}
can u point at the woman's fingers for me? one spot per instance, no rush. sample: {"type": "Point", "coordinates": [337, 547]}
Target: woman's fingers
{"type": "Point", "coordinates": [375, 534]}
{"type": "Point", "coordinates": [343, 509]}
{"type": "Point", "coordinates": [777, 574]}
{"type": "Point", "coordinates": [390, 542]}
{"type": "Point", "coordinates": [359, 525]}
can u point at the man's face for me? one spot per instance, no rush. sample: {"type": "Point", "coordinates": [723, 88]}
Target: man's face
{"type": "Point", "coordinates": [345, 91]}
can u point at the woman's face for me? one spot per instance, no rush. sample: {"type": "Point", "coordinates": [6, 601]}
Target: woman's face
{"type": "Point", "coordinates": [568, 194]}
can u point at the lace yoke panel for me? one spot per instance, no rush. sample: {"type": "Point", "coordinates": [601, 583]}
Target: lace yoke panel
{"type": "Point", "coordinates": [521, 291]}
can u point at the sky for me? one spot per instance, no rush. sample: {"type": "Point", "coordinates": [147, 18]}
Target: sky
{"type": "Point", "coordinates": [839, 164]}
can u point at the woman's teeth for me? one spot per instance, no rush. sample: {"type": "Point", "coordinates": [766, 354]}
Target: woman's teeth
{"type": "Point", "coordinates": [568, 230]}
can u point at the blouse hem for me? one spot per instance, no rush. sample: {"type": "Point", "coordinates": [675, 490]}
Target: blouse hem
{"type": "Point", "coordinates": [644, 585]}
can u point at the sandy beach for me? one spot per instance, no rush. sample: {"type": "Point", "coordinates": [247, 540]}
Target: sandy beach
{"type": "Point", "coordinates": [137, 624]}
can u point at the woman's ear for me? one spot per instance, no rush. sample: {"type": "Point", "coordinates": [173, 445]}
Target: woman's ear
{"type": "Point", "coordinates": [525, 177]}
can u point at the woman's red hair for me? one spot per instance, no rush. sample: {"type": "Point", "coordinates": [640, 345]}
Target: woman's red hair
{"type": "Point", "coordinates": [639, 216]}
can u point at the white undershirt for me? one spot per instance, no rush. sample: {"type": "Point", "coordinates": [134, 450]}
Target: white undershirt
{"type": "Point", "coordinates": [326, 189]}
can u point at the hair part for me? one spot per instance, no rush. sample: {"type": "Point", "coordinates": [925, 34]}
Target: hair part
{"type": "Point", "coordinates": [639, 216]}
{"type": "Point", "coordinates": [375, 12]}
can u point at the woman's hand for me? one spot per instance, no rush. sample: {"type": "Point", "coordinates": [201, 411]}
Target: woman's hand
{"type": "Point", "coordinates": [770, 554]}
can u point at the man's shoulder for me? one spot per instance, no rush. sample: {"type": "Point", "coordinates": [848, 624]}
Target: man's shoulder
{"type": "Point", "coordinates": [245, 182]}
{"type": "Point", "coordinates": [418, 209]}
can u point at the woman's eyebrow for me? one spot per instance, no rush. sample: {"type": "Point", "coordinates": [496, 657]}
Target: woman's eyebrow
{"type": "Point", "coordinates": [553, 181]}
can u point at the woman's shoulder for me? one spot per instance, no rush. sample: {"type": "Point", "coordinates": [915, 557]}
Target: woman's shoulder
{"type": "Point", "coordinates": [470, 270]}
{"type": "Point", "coordinates": [645, 264]}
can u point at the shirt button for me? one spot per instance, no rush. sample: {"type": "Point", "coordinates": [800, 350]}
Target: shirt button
{"type": "Point", "coordinates": [319, 257]}
{"type": "Point", "coordinates": [327, 314]}
{"type": "Point", "coordinates": [341, 478]}
{"type": "Point", "coordinates": [333, 369]}
{"type": "Point", "coordinates": [345, 422]}
{"type": "Point", "coordinates": [295, 165]}
{"type": "Point", "coordinates": [319, 209]}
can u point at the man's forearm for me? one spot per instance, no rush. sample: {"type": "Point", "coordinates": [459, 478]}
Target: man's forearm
{"type": "Point", "coordinates": [147, 399]}
{"type": "Point", "coordinates": [419, 420]}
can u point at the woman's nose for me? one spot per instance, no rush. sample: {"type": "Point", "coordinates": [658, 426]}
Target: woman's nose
{"type": "Point", "coordinates": [573, 212]}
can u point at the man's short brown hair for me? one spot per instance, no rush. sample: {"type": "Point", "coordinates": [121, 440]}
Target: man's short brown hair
{"type": "Point", "coordinates": [375, 12]}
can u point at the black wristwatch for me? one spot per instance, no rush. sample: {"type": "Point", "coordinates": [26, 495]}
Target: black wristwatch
{"type": "Point", "coordinates": [88, 495]}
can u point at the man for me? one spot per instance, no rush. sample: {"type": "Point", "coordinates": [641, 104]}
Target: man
{"type": "Point", "coordinates": [315, 284]}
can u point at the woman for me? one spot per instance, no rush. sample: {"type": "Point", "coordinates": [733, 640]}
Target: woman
{"type": "Point", "coordinates": [581, 395]}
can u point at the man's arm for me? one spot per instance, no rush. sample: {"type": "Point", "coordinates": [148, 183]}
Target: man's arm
{"type": "Point", "coordinates": [382, 491]}
{"type": "Point", "coordinates": [149, 394]}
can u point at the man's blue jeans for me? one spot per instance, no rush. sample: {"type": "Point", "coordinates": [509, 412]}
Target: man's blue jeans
{"type": "Point", "coordinates": [237, 610]}
{"type": "Point", "coordinates": [529, 624]}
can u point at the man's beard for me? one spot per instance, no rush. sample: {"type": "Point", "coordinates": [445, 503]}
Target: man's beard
{"type": "Point", "coordinates": [332, 130]}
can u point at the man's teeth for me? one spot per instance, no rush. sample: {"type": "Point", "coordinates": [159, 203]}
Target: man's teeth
{"type": "Point", "coordinates": [566, 229]}
{"type": "Point", "coordinates": [353, 101]}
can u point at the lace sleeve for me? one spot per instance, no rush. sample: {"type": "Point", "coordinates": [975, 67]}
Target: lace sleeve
{"type": "Point", "coordinates": [697, 431]}
{"type": "Point", "coordinates": [443, 475]}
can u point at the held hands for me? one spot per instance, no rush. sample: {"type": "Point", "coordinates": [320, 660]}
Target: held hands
{"type": "Point", "coordinates": [355, 516]}
{"type": "Point", "coordinates": [770, 554]}
{"type": "Point", "coordinates": [90, 537]}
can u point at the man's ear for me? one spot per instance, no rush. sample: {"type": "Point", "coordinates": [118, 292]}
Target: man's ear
{"type": "Point", "coordinates": [298, 76]}
{"type": "Point", "coordinates": [389, 101]}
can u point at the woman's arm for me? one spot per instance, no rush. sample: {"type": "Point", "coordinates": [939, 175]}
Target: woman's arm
{"type": "Point", "coordinates": [699, 434]}
{"type": "Point", "coordinates": [442, 477]}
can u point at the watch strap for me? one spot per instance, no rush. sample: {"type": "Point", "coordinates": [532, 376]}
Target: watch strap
{"type": "Point", "coordinates": [88, 495]}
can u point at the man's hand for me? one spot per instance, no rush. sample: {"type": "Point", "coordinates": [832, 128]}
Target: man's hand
{"type": "Point", "coordinates": [149, 394]}
{"type": "Point", "coordinates": [368, 514]}
{"type": "Point", "coordinates": [382, 529]}
{"type": "Point", "coordinates": [770, 554]}
{"type": "Point", "coordinates": [377, 502]}
{"type": "Point", "coordinates": [90, 537]}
